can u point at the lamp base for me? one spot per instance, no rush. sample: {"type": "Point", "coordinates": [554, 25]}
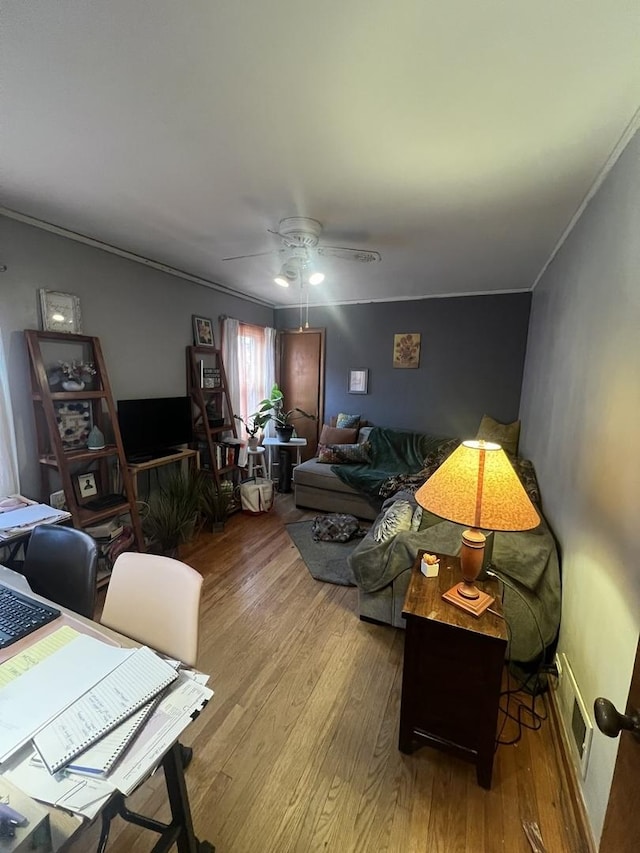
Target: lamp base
{"type": "Point", "coordinates": [459, 595]}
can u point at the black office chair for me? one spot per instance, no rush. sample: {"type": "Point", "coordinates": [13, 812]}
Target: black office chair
{"type": "Point", "coordinates": [61, 565]}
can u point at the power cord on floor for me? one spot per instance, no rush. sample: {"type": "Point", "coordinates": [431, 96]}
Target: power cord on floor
{"type": "Point", "coordinates": [534, 689]}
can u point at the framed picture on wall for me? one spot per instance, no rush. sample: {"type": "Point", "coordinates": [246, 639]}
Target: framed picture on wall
{"type": "Point", "coordinates": [60, 312]}
{"type": "Point", "coordinates": [203, 332]}
{"type": "Point", "coordinates": [358, 380]}
{"type": "Point", "coordinates": [406, 350]}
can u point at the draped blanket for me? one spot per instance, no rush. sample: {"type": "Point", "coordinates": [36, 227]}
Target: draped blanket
{"type": "Point", "coordinates": [527, 560]}
{"type": "Point", "coordinates": [392, 452]}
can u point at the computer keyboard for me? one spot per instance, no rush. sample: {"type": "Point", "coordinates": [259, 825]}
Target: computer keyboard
{"type": "Point", "coordinates": [20, 615]}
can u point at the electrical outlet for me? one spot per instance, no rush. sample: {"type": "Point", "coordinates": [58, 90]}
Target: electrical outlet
{"type": "Point", "coordinates": [57, 500]}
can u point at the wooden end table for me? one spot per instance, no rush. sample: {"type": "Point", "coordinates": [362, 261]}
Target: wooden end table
{"type": "Point", "coordinates": [452, 671]}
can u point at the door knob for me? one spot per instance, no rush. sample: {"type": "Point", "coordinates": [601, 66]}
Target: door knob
{"type": "Point", "coordinates": [611, 722]}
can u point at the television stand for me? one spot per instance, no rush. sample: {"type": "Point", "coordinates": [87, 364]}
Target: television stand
{"type": "Point", "coordinates": [191, 457]}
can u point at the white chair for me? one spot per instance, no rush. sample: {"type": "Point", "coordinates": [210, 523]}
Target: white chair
{"type": "Point", "coordinates": [256, 464]}
{"type": "Point", "coordinates": [155, 600]}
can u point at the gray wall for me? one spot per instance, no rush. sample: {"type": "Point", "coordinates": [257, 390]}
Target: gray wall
{"type": "Point", "coordinates": [471, 360]}
{"type": "Point", "coordinates": [581, 421]}
{"type": "Point", "coordinates": [142, 317]}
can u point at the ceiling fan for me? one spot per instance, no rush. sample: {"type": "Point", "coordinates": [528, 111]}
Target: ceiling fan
{"type": "Point", "coordinates": [299, 248]}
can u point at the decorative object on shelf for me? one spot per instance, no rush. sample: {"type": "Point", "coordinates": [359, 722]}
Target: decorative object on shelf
{"type": "Point", "coordinates": [358, 380]}
{"type": "Point", "coordinates": [211, 377]}
{"type": "Point", "coordinates": [406, 350]}
{"type": "Point", "coordinates": [71, 375]}
{"type": "Point", "coordinates": [60, 312]}
{"type": "Point", "coordinates": [85, 486]}
{"type": "Point", "coordinates": [95, 441]}
{"type": "Point", "coordinates": [273, 405]}
{"type": "Point", "coordinates": [214, 415]}
{"type": "Point", "coordinates": [203, 332]}
{"type": "Point", "coordinates": [477, 486]}
{"type": "Point", "coordinates": [74, 423]}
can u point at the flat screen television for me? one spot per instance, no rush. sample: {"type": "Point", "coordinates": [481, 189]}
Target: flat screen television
{"type": "Point", "coordinates": [154, 427]}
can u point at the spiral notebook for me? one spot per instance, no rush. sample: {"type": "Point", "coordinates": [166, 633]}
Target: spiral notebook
{"type": "Point", "coordinates": [130, 686]}
{"type": "Point", "coordinates": [104, 754]}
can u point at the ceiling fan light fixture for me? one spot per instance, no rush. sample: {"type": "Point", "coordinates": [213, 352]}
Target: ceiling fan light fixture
{"type": "Point", "coordinates": [316, 277]}
{"type": "Point", "coordinates": [288, 274]}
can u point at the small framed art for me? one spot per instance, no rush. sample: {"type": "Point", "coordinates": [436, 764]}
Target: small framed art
{"type": "Point", "coordinates": [74, 423]}
{"type": "Point", "coordinates": [60, 312]}
{"type": "Point", "coordinates": [85, 487]}
{"type": "Point", "coordinates": [406, 350]}
{"type": "Point", "coordinates": [359, 380]}
{"type": "Point", "coordinates": [203, 332]}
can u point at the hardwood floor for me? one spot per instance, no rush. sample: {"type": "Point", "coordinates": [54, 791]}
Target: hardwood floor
{"type": "Point", "coordinates": [297, 751]}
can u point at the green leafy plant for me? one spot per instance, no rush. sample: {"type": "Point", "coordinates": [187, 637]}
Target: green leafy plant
{"type": "Point", "coordinates": [173, 512]}
{"type": "Point", "coordinates": [254, 423]}
{"type": "Point", "coordinates": [215, 501]}
{"type": "Point", "coordinates": [274, 406]}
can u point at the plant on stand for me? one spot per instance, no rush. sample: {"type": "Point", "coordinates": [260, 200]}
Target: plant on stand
{"type": "Point", "coordinates": [273, 405]}
{"type": "Point", "coordinates": [253, 425]}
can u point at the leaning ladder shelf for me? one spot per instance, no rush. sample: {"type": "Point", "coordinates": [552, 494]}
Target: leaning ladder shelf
{"type": "Point", "coordinates": [56, 456]}
{"type": "Point", "coordinates": [214, 427]}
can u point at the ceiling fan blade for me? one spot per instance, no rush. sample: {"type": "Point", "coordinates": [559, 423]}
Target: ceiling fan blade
{"type": "Point", "coordinates": [254, 255]}
{"type": "Point", "coordinates": [363, 255]}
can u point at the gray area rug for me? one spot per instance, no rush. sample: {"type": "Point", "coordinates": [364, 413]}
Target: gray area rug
{"type": "Point", "coordinates": [327, 561]}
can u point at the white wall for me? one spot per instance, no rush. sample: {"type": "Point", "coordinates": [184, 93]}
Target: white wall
{"type": "Point", "coordinates": [581, 422]}
{"type": "Point", "coordinates": [142, 317]}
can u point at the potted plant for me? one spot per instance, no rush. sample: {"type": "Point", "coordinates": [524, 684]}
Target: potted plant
{"type": "Point", "coordinates": [173, 513]}
{"type": "Point", "coordinates": [215, 502]}
{"type": "Point", "coordinates": [253, 425]}
{"type": "Point", "coordinates": [274, 406]}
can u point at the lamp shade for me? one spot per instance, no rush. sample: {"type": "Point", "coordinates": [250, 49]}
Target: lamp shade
{"type": "Point", "coordinates": [477, 486]}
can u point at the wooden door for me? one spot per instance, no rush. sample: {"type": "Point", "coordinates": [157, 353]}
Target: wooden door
{"type": "Point", "coordinates": [301, 379]}
{"type": "Point", "coordinates": [621, 833]}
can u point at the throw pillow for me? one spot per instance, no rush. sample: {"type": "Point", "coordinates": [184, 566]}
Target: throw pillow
{"type": "Point", "coordinates": [416, 518]}
{"type": "Point", "coordinates": [432, 461]}
{"type": "Point", "coordinates": [333, 435]}
{"type": "Point", "coordinates": [347, 421]}
{"type": "Point", "coordinates": [396, 518]}
{"type": "Point", "coordinates": [327, 455]}
{"type": "Point", "coordinates": [526, 472]}
{"type": "Point", "coordinates": [506, 435]}
{"type": "Point", "coordinates": [337, 454]}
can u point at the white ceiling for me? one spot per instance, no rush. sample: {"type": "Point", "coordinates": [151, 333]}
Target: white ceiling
{"type": "Point", "coordinates": [456, 138]}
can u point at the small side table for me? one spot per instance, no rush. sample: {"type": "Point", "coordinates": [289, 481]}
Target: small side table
{"type": "Point", "coordinates": [294, 444]}
{"type": "Point", "coordinates": [452, 671]}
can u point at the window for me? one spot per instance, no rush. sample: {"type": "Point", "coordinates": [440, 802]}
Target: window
{"type": "Point", "coordinates": [248, 354]}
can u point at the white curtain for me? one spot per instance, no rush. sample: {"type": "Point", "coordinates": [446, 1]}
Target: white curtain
{"type": "Point", "coordinates": [9, 477]}
{"type": "Point", "coordinates": [269, 368]}
{"type": "Point", "coordinates": [248, 353]}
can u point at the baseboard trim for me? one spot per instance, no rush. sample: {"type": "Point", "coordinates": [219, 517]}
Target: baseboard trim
{"type": "Point", "coordinates": [575, 791]}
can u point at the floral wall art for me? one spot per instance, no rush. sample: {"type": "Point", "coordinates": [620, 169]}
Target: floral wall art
{"type": "Point", "coordinates": [406, 350]}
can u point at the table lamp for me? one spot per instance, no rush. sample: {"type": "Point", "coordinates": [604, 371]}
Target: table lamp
{"type": "Point", "coordinates": [477, 486]}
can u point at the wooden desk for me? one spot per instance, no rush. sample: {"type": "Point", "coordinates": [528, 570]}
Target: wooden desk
{"type": "Point", "coordinates": [63, 825]}
{"type": "Point", "coordinates": [192, 457]}
{"type": "Point", "coordinates": [452, 671]}
{"type": "Point", "coordinates": [17, 539]}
